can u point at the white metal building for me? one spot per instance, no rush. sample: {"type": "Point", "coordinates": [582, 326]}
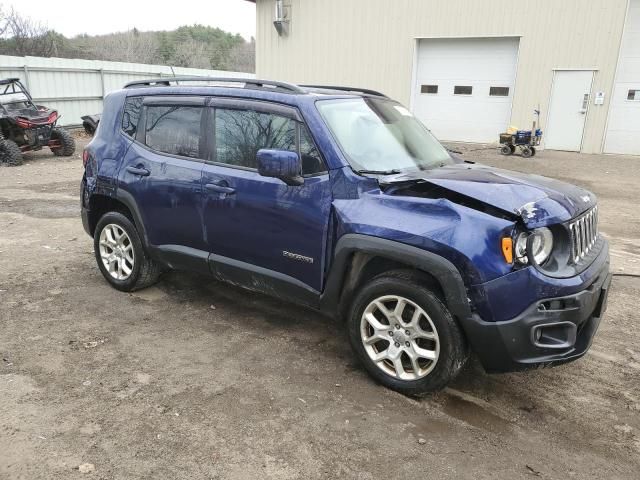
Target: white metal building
{"type": "Point", "coordinates": [469, 69]}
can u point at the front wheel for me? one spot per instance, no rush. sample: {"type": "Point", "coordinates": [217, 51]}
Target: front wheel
{"type": "Point", "coordinates": [121, 257]}
{"type": "Point", "coordinates": [405, 336]}
{"type": "Point", "coordinates": [506, 149]}
{"type": "Point", "coordinates": [65, 144]}
{"type": "Point", "coordinates": [10, 153]}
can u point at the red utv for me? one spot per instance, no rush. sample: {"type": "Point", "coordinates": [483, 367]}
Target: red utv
{"type": "Point", "coordinates": [26, 127]}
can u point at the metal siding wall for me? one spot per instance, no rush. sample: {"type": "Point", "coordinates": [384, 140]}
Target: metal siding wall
{"type": "Point", "coordinates": [370, 43]}
{"type": "Point", "coordinates": [74, 87]}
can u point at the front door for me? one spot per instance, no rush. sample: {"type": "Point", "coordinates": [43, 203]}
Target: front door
{"type": "Point", "coordinates": [256, 223]}
{"type": "Point", "coordinates": [570, 98]}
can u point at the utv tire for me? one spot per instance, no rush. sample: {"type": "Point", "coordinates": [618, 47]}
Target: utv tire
{"type": "Point", "coordinates": [67, 143]}
{"type": "Point", "coordinates": [121, 257]}
{"type": "Point", "coordinates": [506, 149]}
{"type": "Point", "coordinates": [404, 335]}
{"type": "Point", "coordinates": [10, 153]}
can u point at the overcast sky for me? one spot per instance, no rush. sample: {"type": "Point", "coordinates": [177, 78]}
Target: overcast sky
{"type": "Point", "coordinates": [73, 17]}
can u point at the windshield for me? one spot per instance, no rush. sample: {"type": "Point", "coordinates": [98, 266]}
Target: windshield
{"type": "Point", "coordinates": [381, 136]}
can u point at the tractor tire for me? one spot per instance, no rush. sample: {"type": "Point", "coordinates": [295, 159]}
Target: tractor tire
{"type": "Point", "coordinates": [10, 153]}
{"type": "Point", "coordinates": [68, 144]}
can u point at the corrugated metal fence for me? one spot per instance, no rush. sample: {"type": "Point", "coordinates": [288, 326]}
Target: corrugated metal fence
{"type": "Point", "coordinates": [77, 87]}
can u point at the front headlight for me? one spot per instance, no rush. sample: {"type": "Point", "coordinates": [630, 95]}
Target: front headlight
{"type": "Point", "coordinates": [538, 243]}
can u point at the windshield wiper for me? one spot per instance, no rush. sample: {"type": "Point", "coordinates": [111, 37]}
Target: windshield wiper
{"type": "Point", "coordinates": [380, 172]}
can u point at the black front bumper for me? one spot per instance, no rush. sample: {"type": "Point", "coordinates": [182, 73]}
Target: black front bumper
{"type": "Point", "coordinates": [549, 332]}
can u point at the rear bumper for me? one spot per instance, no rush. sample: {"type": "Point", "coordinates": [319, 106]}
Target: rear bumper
{"type": "Point", "coordinates": [84, 211]}
{"type": "Point", "coordinates": [548, 332]}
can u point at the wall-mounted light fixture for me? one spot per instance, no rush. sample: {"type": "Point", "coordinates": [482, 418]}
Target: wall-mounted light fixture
{"type": "Point", "coordinates": [282, 18]}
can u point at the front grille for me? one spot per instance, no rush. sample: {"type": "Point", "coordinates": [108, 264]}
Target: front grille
{"type": "Point", "coordinates": [584, 233]}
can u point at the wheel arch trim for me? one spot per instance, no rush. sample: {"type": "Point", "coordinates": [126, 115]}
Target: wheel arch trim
{"type": "Point", "coordinates": [441, 269]}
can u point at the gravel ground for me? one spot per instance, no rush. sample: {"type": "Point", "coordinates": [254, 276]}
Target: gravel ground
{"type": "Point", "coordinates": [195, 379]}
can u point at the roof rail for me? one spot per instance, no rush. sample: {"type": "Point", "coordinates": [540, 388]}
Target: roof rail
{"type": "Point", "coordinates": [366, 91]}
{"type": "Point", "coordinates": [166, 81]}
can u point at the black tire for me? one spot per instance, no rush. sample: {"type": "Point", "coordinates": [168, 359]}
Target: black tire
{"type": "Point", "coordinates": [68, 144]}
{"type": "Point", "coordinates": [10, 153]}
{"type": "Point", "coordinates": [88, 128]}
{"type": "Point", "coordinates": [527, 152]}
{"type": "Point", "coordinates": [145, 271]}
{"type": "Point", "coordinates": [533, 151]}
{"type": "Point", "coordinates": [512, 148]}
{"type": "Point", "coordinates": [453, 350]}
{"type": "Point", "coordinates": [506, 149]}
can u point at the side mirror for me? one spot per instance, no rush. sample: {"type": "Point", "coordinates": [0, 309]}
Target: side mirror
{"type": "Point", "coordinates": [281, 164]}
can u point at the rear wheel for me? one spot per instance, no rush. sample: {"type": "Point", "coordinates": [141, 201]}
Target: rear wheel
{"type": "Point", "coordinates": [10, 153]}
{"type": "Point", "coordinates": [121, 257]}
{"type": "Point", "coordinates": [67, 143]}
{"type": "Point", "coordinates": [527, 152]}
{"type": "Point", "coordinates": [405, 336]}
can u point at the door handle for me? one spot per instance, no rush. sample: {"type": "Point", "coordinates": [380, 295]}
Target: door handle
{"type": "Point", "coordinates": [220, 187]}
{"type": "Point", "coordinates": [140, 171]}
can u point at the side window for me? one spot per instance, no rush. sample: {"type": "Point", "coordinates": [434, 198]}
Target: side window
{"type": "Point", "coordinates": [311, 159]}
{"type": "Point", "coordinates": [241, 133]}
{"type": "Point", "coordinates": [174, 130]}
{"type": "Point", "coordinates": [131, 115]}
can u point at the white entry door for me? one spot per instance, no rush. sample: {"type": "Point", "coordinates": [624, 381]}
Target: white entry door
{"type": "Point", "coordinates": [570, 98]}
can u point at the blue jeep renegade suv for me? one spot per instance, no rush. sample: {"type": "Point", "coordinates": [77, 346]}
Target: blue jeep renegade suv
{"type": "Point", "coordinates": [340, 200]}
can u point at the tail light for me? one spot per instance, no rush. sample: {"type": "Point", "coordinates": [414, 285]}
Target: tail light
{"type": "Point", "coordinates": [26, 123]}
{"type": "Point", "coordinates": [85, 157]}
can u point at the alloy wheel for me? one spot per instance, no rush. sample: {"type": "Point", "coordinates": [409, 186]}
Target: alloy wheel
{"type": "Point", "coordinates": [116, 251]}
{"type": "Point", "coordinates": [399, 337]}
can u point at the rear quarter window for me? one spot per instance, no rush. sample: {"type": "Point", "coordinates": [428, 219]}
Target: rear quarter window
{"type": "Point", "coordinates": [131, 115]}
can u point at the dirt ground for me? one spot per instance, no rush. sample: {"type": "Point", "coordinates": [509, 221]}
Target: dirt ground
{"type": "Point", "coordinates": [194, 379]}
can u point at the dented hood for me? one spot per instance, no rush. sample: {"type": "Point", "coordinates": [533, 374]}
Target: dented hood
{"type": "Point", "coordinates": [537, 200]}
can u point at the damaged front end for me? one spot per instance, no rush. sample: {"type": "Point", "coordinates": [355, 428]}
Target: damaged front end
{"type": "Point", "coordinates": [555, 226]}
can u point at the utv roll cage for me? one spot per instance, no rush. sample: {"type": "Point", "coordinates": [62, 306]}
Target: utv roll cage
{"type": "Point", "coordinates": [8, 87]}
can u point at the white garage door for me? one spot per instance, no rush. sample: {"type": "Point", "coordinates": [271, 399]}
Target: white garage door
{"type": "Point", "coordinates": [623, 132]}
{"type": "Point", "coordinates": [464, 87]}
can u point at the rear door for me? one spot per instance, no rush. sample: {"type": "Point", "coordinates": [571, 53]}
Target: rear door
{"type": "Point", "coordinates": [261, 222]}
{"type": "Point", "coordinates": [162, 171]}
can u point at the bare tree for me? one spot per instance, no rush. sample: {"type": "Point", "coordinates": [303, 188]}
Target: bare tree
{"type": "Point", "coordinates": [191, 53]}
{"type": "Point", "coordinates": [242, 57]}
{"type": "Point", "coordinates": [4, 24]}
{"type": "Point", "coordinates": [28, 37]}
{"type": "Point", "coordinates": [131, 46]}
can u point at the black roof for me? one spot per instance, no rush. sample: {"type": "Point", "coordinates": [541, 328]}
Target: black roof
{"type": "Point", "coordinates": [7, 81]}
